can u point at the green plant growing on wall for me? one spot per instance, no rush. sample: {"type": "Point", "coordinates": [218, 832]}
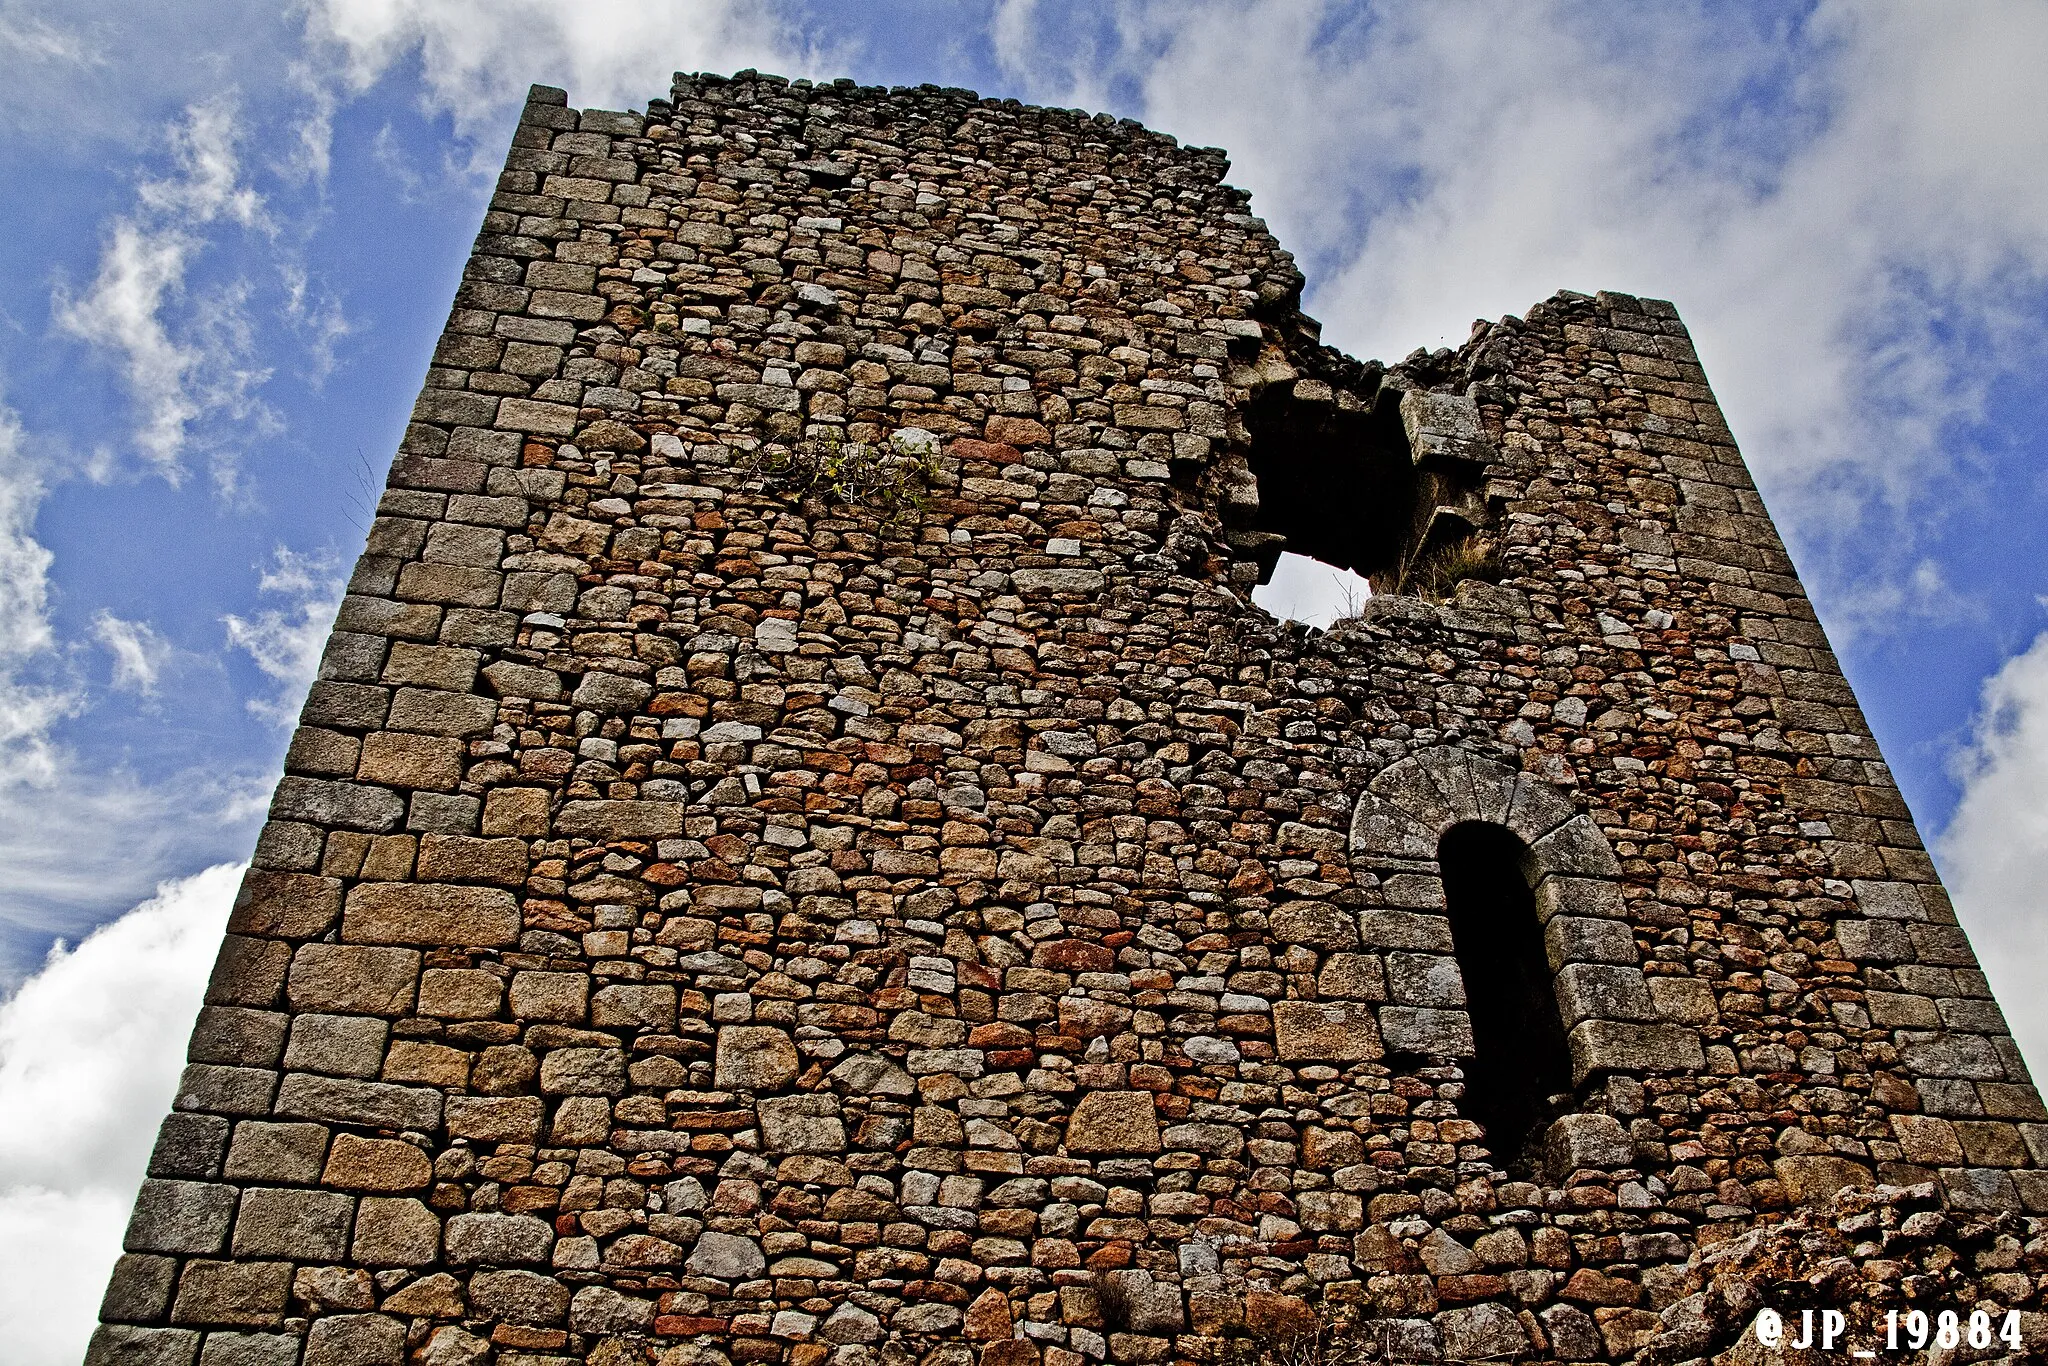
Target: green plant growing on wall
{"type": "Point", "coordinates": [891, 479]}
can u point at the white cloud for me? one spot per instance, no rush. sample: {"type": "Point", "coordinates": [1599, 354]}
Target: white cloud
{"type": "Point", "coordinates": [477, 58]}
{"type": "Point", "coordinates": [90, 1049]}
{"type": "Point", "coordinates": [139, 652]}
{"type": "Point", "coordinates": [285, 643]}
{"type": "Point", "coordinates": [181, 365]}
{"type": "Point", "coordinates": [1995, 849]}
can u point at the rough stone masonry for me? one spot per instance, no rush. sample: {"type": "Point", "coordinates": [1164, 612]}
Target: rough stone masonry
{"type": "Point", "coordinates": [705, 920]}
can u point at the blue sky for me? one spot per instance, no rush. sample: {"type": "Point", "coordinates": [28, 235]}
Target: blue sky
{"type": "Point", "coordinates": [231, 232]}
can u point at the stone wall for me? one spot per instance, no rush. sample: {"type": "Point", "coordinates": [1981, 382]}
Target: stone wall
{"type": "Point", "coordinates": [710, 916]}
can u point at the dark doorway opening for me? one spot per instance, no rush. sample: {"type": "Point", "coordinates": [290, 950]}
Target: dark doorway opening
{"type": "Point", "coordinates": [1522, 1061]}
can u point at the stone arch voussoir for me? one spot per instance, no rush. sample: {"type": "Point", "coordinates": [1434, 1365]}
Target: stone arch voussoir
{"type": "Point", "coordinates": [1615, 1023]}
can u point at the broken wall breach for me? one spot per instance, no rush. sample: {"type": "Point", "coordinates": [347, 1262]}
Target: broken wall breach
{"type": "Point", "coordinates": [802, 849]}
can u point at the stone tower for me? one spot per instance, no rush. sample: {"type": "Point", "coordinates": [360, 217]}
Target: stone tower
{"type": "Point", "coordinates": [803, 850]}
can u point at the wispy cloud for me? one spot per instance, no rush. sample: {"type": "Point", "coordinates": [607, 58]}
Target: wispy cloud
{"type": "Point", "coordinates": [185, 356]}
{"type": "Point", "coordinates": [285, 642]}
{"type": "Point", "coordinates": [29, 706]}
{"type": "Point", "coordinates": [29, 37]}
{"type": "Point", "coordinates": [140, 654]}
{"type": "Point", "coordinates": [89, 1054]}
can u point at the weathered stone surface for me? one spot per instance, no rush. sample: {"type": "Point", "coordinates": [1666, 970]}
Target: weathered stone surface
{"type": "Point", "coordinates": [1481, 1332]}
{"type": "Point", "coordinates": [1329, 1031]}
{"type": "Point", "coordinates": [292, 1223]}
{"type": "Point", "coordinates": [356, 1340]}
{"type": "Point", "coordinates": [726, 1257]}
{"type": "Point", "coordinates": [350, 979]}
{"type": "Point", "coordinates": [373, 1104]}
{"type": "Point", "coordinates": [180, 1216]}
{"type": "Point", "coordinates": [801, 1124]}
{"type": "Point", "coordinates": [755, 1057]}
{"type": "Point", "coordinates": [273, 1152]}
{"type": "Point", "coordinates": [1146, 1306]}
{"type": "Point", "coordinates": [395, 1231]}
{"type": "Point", "coordinates": [498, 1239]}
{"type": "Point", "coordinates": [1575, 1141]}
{"type": "Point", "coordinates": [1811, 1179]}
{"type": "Point", "coordinates": [376, 1164]}
{"type": "Point", "coordinates": [430, 915]}
{"type": "Point", "coordinates": [287, 905]}
{"type": "Point", "coordinates": [114, 1345]}
{"type": "Point", "coordinates": [232, 1294]}
{"type": "Point", "coordinates": [1114, 1122]}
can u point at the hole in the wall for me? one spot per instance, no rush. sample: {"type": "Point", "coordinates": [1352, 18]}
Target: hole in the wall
{"type": "Point", "coordinates": [1302, 589]}
{"type": "Point", "coordinates": [1336, 482]}
{"type": "Point", "coordinates": [1522, 1060]}
{"type": "Point", "coordinates": [1391, 489]}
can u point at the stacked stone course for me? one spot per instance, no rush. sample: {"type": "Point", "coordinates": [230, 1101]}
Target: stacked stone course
{"type": "Point", "coordinates": [702, 924]}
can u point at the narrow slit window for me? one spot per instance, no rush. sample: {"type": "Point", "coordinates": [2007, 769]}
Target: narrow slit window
{"type": "Point", "coordinates": [1522, 1063]}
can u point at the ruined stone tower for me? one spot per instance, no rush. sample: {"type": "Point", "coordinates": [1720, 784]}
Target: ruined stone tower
{"type": "Point", "coordinates": [803, 850]}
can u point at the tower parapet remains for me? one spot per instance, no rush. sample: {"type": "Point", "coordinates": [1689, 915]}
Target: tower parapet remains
{"type": "Point", "coordinates": [803, 849]}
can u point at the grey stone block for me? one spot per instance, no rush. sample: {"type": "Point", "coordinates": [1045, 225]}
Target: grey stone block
{"type": "Point", "coordinates": [1446, 1033]}
{"type": "Point", "coordinates": [189, 1146]}
{"type": "Point", "coordinates": [354, 979]}
{"type": "Point", "coordinates": [338, 1045]}
{"type": "Point", "coordinates": [356, 1340]}
{"type": "Point", "coordinates": [349, 806]}
{"type": "Point", "coordinates": [1625, 1046]}
{"type": "Point", "coordinates": [238, 1036]}
{"type": "Point", "coordinates": [250, 1349]}
{"type": "Point", "coordinates": [180, 1216]}
{"type": "Point", "coordinates": [1481, 1332]}
{"type": "Point", "coordinates": [442, 713]}
{"type": "Point", "coordinates": [1875, 941]}
{"type": "Point", "coordinates": [1575, 849]}
{"type": "Point", "coordinates": [1599, 991]}
{"type": "Point", "coordinates": [443, 813]}
{"type": "Point", "coordinates": [308, 1225]}
{"type": "Point", "coordinates": [1584, 939]}
{"type": "Point", "coordinates": [611, 693]}
{"type": "Point", "coordinates": [600, 1309]}
{"type": "Point", "coordinates": [139, 1291]}
{"type": "Point", "coordinates": [1586, 1140]}
{"type": "Point", "coordinates": [1418, 979]}
{"type": "Point", "coordinates": [1385, 929]}
{"type": "Point", "coordinates": [519, 1297]}
{"type": "Point", "coordinates": [801, 1124]}
{"type": "Point", "coordinates": [273, 1152]}
{"type": "Point", "coordinates": [1578, 896]}
{"type": "Point", "coordinates": [232, 1294]}
{"type": "Point", "coordinates": [726, 1257]}
{"type": "Point", "coordinates": [377, 1105]}
{"type": "Point", "coordinates": [114, 1345]}
{"type": "Point", "coordinates": [248, 972]}
{"type": "Point", "coordinates": [226, 1090]}
{"type": "Point", "coordinates": [499, 1240]}
{"type": "Point", "coordinates": [583, 1071]}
